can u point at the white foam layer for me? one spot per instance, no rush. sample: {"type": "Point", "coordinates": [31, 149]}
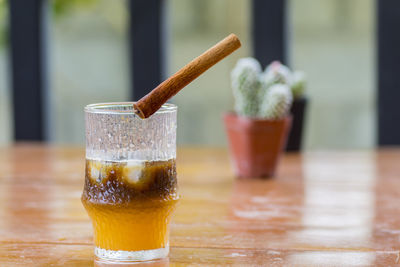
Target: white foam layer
{"type": "Point", "coordinates": [128, 161]}
{"type": "Point", "coordinates": [143, 154]}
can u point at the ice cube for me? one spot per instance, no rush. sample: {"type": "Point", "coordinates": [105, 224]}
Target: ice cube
{"type": "Point", "coordinates": [133, 171]}
{"type": "Point", "coordinates": [94, 172]}
{"type": "Point", "coordinates": [98, 171]}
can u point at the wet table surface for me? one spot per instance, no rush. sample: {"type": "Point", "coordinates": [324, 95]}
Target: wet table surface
{"type": "Point", "coordinates": [322, 209]}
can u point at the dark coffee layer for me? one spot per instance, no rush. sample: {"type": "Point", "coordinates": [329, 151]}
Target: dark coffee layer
{"type": "Point", "coordinates": [120, 183]}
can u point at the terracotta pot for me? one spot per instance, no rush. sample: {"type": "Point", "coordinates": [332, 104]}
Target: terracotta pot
{"type": "Point", "coordinates": [255, 144]}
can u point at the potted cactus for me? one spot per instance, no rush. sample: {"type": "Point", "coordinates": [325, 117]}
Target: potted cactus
{"type": "Point", "coordinates": [276, 72]}
{"type": "Point", "coordinates": [258, 129]}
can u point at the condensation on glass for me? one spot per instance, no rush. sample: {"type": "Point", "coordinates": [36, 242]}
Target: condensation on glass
{"type": "Point", "coordinates": [114, 133]}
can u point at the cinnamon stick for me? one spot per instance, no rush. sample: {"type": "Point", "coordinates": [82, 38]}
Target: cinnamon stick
{"type": "Point", "coordinates": [151, 102]}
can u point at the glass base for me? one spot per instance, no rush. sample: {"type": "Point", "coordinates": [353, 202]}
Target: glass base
{"type": "Point", "coordinates": [131, 256]}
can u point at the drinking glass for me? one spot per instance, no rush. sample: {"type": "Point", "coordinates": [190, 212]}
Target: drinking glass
{"type": "Point", "coordinates": [130, 186]}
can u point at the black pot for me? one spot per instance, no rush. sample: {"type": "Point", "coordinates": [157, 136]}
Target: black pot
{"type": "Point", "coordinates": [298, 110]}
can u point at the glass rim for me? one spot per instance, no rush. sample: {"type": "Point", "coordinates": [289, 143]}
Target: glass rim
{"type": "Point", "coordinates": [104, 108]}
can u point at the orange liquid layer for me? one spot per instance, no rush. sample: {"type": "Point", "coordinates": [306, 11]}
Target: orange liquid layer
{"type": "Point", "coordinates": [136, 227]}
{"type": "Point", "coordinates": [130, 204]}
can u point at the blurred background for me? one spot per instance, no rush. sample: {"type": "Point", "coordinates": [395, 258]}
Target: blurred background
{"type": "Point", "coordinates": [92, 51]}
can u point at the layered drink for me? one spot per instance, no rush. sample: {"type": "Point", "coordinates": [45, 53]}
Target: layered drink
{"type": "Point", "coordinates": [130, 203]}
{"type": "Point", "coordinates": [130, 188]}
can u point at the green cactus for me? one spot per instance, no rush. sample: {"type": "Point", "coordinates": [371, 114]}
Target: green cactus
{"type": "Point", "coordinates": [265, 95]}
{"type": "Point", "coordinates": [298, 84]}
{"type": "Point", "coordinates": [276, 72]}
{"type": "Point", "coordinates": [245, 84]}
{"type": "Point", "coordinates": [276, 102]}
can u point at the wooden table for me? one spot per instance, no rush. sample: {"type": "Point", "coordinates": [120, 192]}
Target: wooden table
{"type": "Point", "coordinates": [323, 209]}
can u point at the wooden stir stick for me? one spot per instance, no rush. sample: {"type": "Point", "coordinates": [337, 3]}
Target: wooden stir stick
{"type": "Point", "coordinates": [151, 102]}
